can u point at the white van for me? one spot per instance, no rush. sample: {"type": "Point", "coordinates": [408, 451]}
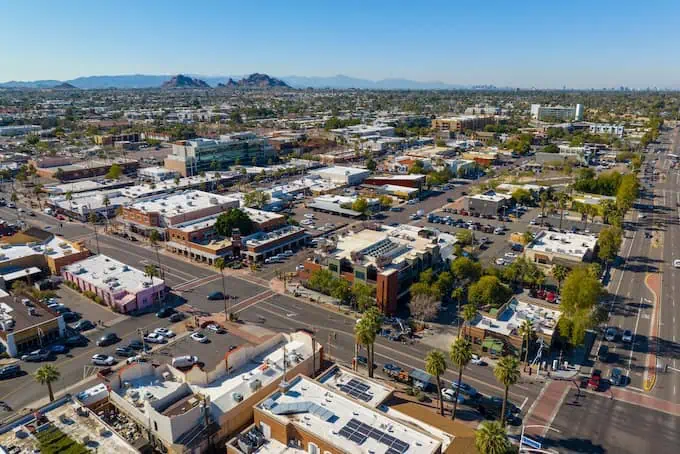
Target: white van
{"type": "Point", "coordinates": [48, 211]}
{"type": "Point", "coordinates": [184, 361]}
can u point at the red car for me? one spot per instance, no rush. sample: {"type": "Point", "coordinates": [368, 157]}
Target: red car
{"type": "Point", "coordinates": [595, 379]}
{"type": "Point", "coordinates": [550, 297]}
{"type": "Point", "coordinates": [541, 294]}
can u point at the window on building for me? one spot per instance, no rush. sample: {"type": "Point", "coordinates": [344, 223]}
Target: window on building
{"type": "Point", "coordinates": [333, 267]}
{"type": "Point", "coordinates": [155, 426]}
{"type": "Point", "coordinates": [360, 275]}
{"type": "Point", "coordinates": [312, 448]}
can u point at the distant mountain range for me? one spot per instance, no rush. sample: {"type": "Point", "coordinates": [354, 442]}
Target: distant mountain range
{"type": "Point", "coordinates": [252, 81]}
{"type": "Point", "coordinates": [182, 81]}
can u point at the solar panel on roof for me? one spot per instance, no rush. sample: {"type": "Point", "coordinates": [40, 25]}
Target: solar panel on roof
{"type": "Point", "coordinates": [353, 423]}
{"type": "Point", "coordinates": [358, 438]}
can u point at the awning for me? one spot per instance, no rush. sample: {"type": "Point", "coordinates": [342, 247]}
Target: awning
{"type": "Point", "coordinates": [421, 376]}
{"type": "Point", "coordinates": [21, 273]}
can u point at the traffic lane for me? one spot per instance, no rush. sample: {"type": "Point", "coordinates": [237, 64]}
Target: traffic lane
{"type": "Point", "coordinates": [239, 290]}
{"type": "Point", "coordinates": [310, 316]}
{"type": "Point", "coordinates": [598, 424]}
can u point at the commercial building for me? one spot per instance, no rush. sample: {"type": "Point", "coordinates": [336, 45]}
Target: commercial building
{"type": "Point", "coordinates": [350, 176]}
{"type": "Point", "coordinates": [191, 157]}
{"type": "Point", "coordinates": [569, 249]}
{"type": "Point", "coordinates": [407, 181]}
{"type": "Point", "coordinates": [34, 253]}
{"type": "Point", "coordinates": [112, 139]}
{"type": "Point", "coordinates": [104, 204]}
{"type": "Point", "coordinates": [336, 415]}
{"type": "Point", "coordinates": [483, 158]}
{"type": "Point", "coordinates": [157, 174]}
{"type": "Point", "coordinates": [166, 210]}
{"type": "Point", "coordinates": [188, 411]}
{"type": "Point", "coordinates": [557, 113]}
{"type": "Point", "coordinates": [262, 245]}
{"type": "Point", "coordinates": [75, 187]}
{"type": "Point", "coordinates": [497, 332]}
{"type": "Point", "coordinates": [462, 123]}
{"type": "Point", "coordinates": [19, 130]}
{"type": "Point", "coordinates": [389, 258]}
{"type": "Point", "coordinates": [341, 205]}
{"type": "Point", "coordinates": [363, 131]}
{"type": "Point", "coordinates": [66, 171]}
{"type": "Point", "coordinates": [489, 202]}
{"type": "Point", "coordinates": [210, 181]}
{"type": "Point", "coordinates": [24, 329]}
{"type": "Point", "coordinates": [121, 287]}
{"type": "Point", "coordinates": [605, 128]}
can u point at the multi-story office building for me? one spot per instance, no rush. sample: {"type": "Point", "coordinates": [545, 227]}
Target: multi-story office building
{"type": "Point", "coordinates": [191, 157]}
{"type": "Point", "coordinates": [390, 258]}
{"type": "Point", "coordinates": [462, 123]}
{"type": "Point", "coordinates": [557, 113]}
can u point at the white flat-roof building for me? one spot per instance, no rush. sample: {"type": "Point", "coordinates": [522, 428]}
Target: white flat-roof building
{"type": "Point", "coordinates": [364, 131]}
{"type": "Point", "coordinates": [489, 202]}
{"type": "Point", "coordinates": [210, 181]}
{"type": "Point", "coordinates": [549, 248]}
{"type": "Point", "coordinates": [120, 286]}
{"type": "Point", "coordinates": [606, 128]}
{"type": "Point", "coordinates": [104, 204]}
{"type": "Point", "coordinates": [350, 176]}
{"type": "Point", "coordinates": [557, 113]}
{"type": "Point", "coordinates": [156, 174]}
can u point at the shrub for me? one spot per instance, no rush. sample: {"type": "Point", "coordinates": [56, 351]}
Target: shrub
{"type": "Point", "coordinates": [99, 300]}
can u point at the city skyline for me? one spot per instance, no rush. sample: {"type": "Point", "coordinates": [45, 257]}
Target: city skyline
{"type": "Point", "coordinates": [527, 46]}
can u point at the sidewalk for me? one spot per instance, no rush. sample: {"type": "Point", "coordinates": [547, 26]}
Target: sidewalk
{"type": "Point", "coordinates": [546, 406]}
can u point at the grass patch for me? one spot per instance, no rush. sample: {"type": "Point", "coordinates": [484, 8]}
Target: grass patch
{"type": "Point", "coordinates": [53, 441]}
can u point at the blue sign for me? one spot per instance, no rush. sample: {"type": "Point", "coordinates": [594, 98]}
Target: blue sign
{"type": "Point", "coordinates": [531, 443]}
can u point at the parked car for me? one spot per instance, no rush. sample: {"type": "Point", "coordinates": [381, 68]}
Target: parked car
{"type": "Point", "coordinates": [627, 336]}
{"type": "Point", "coordinates": [176, 317]}
{"type": "Point", "coordinates": [449, 394]}
{"type": "Point", "coordinates": [165, 312]}
{"type": "Point", "coordinates": [594, 381]}
{"type": "Point", "coordinates": [136, 344]}
{"type": "Point", "coordinates": [478, 360]}
{"type": "Point", "coordinates": [603, 353]}
{"type": "Point", "coordinates": [108, 339]}
{"type": "Point", "coordinates": [610, 334]}
{"type": "Point", "coordinates": [391, 369]}
{"type": "Point", "coordinates": [165, 332]}
{"type": "Point", "coordinates": [84, 325]}
{"type": "Point", "coordinates": [216, 328]}
{"type": "Point", "coordinates": [58, 348]}
{"type": "Point", "coordinates": [37, 355]}
{"type": "Point", "coordinates": [70, 317]}
{"type": "Point", "coordinates": [198, 337]}
{"type": "Point", "coordinates": [103, 360]}
{"type": "Point", "coordinates": [464, 388]}
{"type": "Point", "coordinates": [154, 338]}
{"type": "Point", "coordinates": [11, 371]}
{"type": "Point", "coordinates": [184, 361]}
{"type": "Point", "coordinates": [126, 352]}
{"type": "Point", "coordinates": [76, 341]}
{"type": "Point", "coordinates": [617, 378]}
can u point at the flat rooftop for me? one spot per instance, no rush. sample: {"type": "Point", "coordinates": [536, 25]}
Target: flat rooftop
{"type": "Point", "coordinates": [572, 244]}
{"type": "Point", "coordinates": [144, 190]}
{"type": "Point", "coordinates": [104, 272]}
{"type": "Point", "coordinates": [90, 201]}
{"type": "Point", "coordinates": [180, 203]}
{"type": "Point", "coordinates": [79, 428]}
{"type": "Point", "coordinates": [92, 164]}
{"type": "Point", "coordinates": [260, 238]}
{"type": "Point", "coordinates": [340, 171]}
{"type": "Point", "coordinates": [491, 197]}
{"type": "Point", "coordinates": [343, 421]}
{"type": "Point", "coordinates": [343, 380]}
{"type": "Point", "coordinates": [261, 216]}
{"type": "Point", "coordinates": [55, 247]}
{"type": "Point", "coordinates": [513, 315]}
{"type": "Point", "coordinates": [19, 313]}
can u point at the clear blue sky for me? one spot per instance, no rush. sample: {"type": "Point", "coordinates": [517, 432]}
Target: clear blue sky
{"type": "Point", "coordinates": [541, 43]}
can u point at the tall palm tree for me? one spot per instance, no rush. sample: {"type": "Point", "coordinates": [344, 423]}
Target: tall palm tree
{"type": "Point", "coordinates": [92, 218]}
{"type": "Point", "coordinates": [559, 272]}
{"type": "Point", "coordinates": [491, 438]}
{"type": "Point", "coordinates": [373, 318]}
{"type": "Point", "coordinates": [583, 210]}
{"type": "Point", "coordinates": [69, 197]}
{"type": "Point", "coordinates": [435, 364]}
{"type": "Point", "coordinates": [365, 336]}
{"type": "Point", "coordinates": [221, 264]}
{"type": "Point", "coordinates": [37, 191]}
{"type": "Point", "coordinates": [461, 355]}
{"type": "Point", "coordinates": [543, 204]}
{"type": "Point", "coordinates": [154, 238]}
{"type": "Point", "coordinates": [458, 294]}
{"type": "Point", "coordinates": [507, 373]}
{"type": "Point", "coordinates": [562, 203]}
{"type": "Point", "coordinates": [47, 375]}
{"type": "Point", "coordinates": [150, 271]}
{"type": "Point", "coordinates": [469, 314]}
{"type": "Point", "coordinates": [106, 202]}
{"type": "Point", "coordinates": [527, 331]}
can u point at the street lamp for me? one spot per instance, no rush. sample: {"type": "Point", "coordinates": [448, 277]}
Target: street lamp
{"type": "Point", "coordinates": [531, 449]}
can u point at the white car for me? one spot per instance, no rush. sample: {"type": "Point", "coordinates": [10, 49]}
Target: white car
{"type": "Point", "coordinates": [476, 359]}
{"type": "Point", "coordinates": [216, 328]}
{"type": "Point", "coordinates": [198, 337]}
{"type": "Point", "coordinates": [165, 332]}
{"type": "Point", "coordinates": [309, 215]}
{"type": "Point", "coordinates": [103, 360]}
{"type": "Point", "coordinates": [532, 222]}
{"type": "Point", "coordinates": [500, 261]}
{"type": "Point", "coordinates": [448, 394]}
{"type": "Point", "coordinates": [154, 338]}
{"type": "Point", "coordinates": [676, 263]}
{"type": "Point", "coordinates": [135, 359]}
{"type": "Point", "coordinates": [510, 255]}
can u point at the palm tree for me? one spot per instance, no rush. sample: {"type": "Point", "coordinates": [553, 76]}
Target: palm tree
{"type": "Point", "coordinates": [527, 331]}
{"type": "Point", "coordinates": [528, 237]}
{"type": "Point", "coordinates": [460, 354]}
{"type": "Point", "coordinates": [47, 375]}
{"type": "Point", "coordinates": [583, 210]}
{"type": "Point", "coordinates": [469, 313]}
{"type": "Point", "coordinates": [69, 197]}
{"type": "Point", "coordinates": [458, 294]}
{"type": "Point", "coordinates": [92, 218]}
{"type": "Point", "coordinates": [562, 203]}
{"type": "Point", "coordinates": [435, 364]}
{"type": "Point", "coordinates": [106, 202]}
{"type": "Point", "coordinates": [559, 272]}
{"type": "Point", "coordinates": [491, 438]}
{"type": "Point", "coordinates": [37, 190]}
{"type": "Point", "coordinates": [373, 318]}
{"type": "Point", "coordinates": [507, 373]}
{"type": "Point", "coordinates": [543, 203]}
{"type": "Point", "coordinates": [221, 264]}
{"type": "Point", "coordinates": [154, 238]}
{"type": "Point", "coordinates": [365, 335]}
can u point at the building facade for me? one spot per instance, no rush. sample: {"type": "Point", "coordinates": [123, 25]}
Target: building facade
{"type": "Point", "coordinates": [557, 113]}
{"type": "Point", "coordinates": [462, 123]}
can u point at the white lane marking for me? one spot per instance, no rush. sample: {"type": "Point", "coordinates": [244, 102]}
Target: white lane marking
{"type": "Point", "coordinates": [632, 342]}
{"type": "Point", "coordinates": [524, 402]}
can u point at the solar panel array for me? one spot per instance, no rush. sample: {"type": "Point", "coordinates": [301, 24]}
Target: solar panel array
{"type": "Point", "coordinates": [358, 432]}
{"type": "Point", "coordinates": [357, 389]}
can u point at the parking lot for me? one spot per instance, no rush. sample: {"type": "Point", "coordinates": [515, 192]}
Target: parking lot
{"type": "Point", "coordinates": [85, 307]}
{"type": "Point", "coordinates": [321, 222]}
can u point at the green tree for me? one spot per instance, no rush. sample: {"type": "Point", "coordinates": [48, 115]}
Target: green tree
{"type": "Point", "coordinates": [150, 271]}
{"type": "Point", "coordinates": [562, 201]}
{"type": "Point", "coordinates": [321, 280]}
{"type": "Point", "coordinates": [580, 295]}
{"type": "Point", "coordinates": [559, 272]}
{"type": "Point", "coordinates": [154, 240]}
{"type": "Point", "coordinates": [469, 315]}
{"type": "Point", "coordinates": [365, 335]}
{"type": "Point", "coordinates": [507, 373]}
{"type": "Point", "coordinates": [360, 205]}
{"type": "Point", "coordinates": [32, 139]}
{"type": "Point", "coordinates": [527, 331]}
{"type": "Point", "coordinates": [607, 210]}
{"type": "Point", "coordinates": [522, 196]}
{"type": "Point", "coordinates": [371, 165]}
{"type": "Point", "coordinates": [363, 296]}
{"type": "Point", "coordinates": [340, 290]}
{"type": "Point", "coordinates": [491, 438]}
{"type": "Point", "coordinates": [460, 355]}
{"type": "Point", "coordinates": [551, 148]}
{"type": "Point", "coordinates": [609, 243]}
{"type": "Point", "coordinates": [385, 201]}
{"type": "Point", "coordinates": [543, 202]}
{"type": "Point", "coordinates": [256, 199]}
{"type": "Point", "coordinates": [443, 285]}
{"type": "Point", "coordinates": [489, 291]}
{"type": "Point", "coordinates": [234, 219]}
{"type": "Point", "coordinates": [527, 237]}
{"type": "Point", "coordinates": [435, 365]}
{"type": "Point", "coordinates": [464, 237]}
{"type": "Point", "coordinates": [115, 172]}
{"type": "Point", "coordinates": [46, 375]}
